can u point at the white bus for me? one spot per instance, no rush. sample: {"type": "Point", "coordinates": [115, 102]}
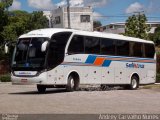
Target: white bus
{"type": "Point", "coordinates": [67, 58]}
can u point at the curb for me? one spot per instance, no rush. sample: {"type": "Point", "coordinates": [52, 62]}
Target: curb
{"type": "Point", "coordinates": [5, 82]}
{"type": "Point", "coordinates": [157, 83]}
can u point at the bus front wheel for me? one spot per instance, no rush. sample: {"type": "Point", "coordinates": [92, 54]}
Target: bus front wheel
{"type": "Point", "coordinates": [41, 88]}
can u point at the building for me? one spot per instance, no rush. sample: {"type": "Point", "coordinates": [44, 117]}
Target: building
{"type": "Point", "coordinates": [81, 18]}
{"type": "Point", "coordinates": [119, 27]}
{"type": "Point", "coordinates": [48, 14]}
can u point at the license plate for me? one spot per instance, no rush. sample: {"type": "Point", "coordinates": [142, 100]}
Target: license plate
{"type": "Point", "coordinates": [24, 80]}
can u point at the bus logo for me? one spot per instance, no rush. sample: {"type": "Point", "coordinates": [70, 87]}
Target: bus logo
{"type": "Point", "coordinates": [134, 65]}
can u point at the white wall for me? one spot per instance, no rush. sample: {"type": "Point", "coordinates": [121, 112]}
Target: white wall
{"type": "Point", "coordinates": [48, 14]}
{"type": "Point", "coordinates": [75, 20]}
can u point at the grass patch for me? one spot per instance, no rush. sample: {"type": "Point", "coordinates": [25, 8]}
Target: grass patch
{"type": "Point", "coordinates": [158, 52]}
{"type": "Point", "coordinates": [158, 78]}
{"type": "Point", "coordinates": [153, 86]}
{"type": "Point", "coordinates": [5, 78]}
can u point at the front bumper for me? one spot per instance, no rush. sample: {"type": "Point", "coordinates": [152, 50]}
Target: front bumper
{"type": "Point", "coordinates": [40, 79]}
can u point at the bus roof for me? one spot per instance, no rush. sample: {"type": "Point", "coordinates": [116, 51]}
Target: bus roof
{"type": "Point", "coordinates": [48, 32]}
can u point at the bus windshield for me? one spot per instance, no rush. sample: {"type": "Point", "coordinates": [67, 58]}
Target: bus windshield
{"type": "Point", "coordinates": [28, 53]}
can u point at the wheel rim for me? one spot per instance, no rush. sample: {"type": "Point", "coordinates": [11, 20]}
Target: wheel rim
{"type": "Point", "coordinates": [134, 83]}
{"type": "Point", "coordinates": [72, 83]}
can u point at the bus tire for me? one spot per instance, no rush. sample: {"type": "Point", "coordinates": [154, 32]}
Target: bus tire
{"type": "Point", "coordinates": [41, 88]}
{"type": "Point", "coordinates": [134, 83]}
{"type": "Point", "coordinates": [73, 83]}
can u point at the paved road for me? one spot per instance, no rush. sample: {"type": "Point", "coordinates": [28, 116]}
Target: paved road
{"type": "Point", "coordinates": [25, 99]}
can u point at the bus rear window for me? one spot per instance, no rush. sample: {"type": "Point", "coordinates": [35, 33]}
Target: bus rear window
{"type": "Point", "coordinates": [149, 50]}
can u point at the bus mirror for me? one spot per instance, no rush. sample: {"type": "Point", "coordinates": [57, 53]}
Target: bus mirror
{"type": "Point", "coordinates": [6, 49]}
{"type": "Point", "coordinates": [44, 46]}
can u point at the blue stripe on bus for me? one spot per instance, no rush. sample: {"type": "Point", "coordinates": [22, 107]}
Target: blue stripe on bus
{"type": "Point", "coordinates": [91, 59]}
{"type": "Point", "coordinates": [106, 63]}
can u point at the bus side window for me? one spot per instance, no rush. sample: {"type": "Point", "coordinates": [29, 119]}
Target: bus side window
{"type": "Point", "coordinates": [76, 45]}
{"type": "Point", "coordinates": [107, 46]}
{"type": "Point", "coordinates": [149, 50]}
{"type": "Point", "coordinates": [122, 48]}
{"type": "Point", "coordinates": [92, 45]}
{"type": "Point", "coordinates": [136, 49]}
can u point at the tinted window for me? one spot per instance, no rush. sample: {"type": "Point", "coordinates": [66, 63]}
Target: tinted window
{"type": "Point", "coordinates": [57, 49]}
{"type": "Point", "coordinates": [92, 45]}
{"type": "Point", "coordinates": [76, 44]}
{"type": "Point", "coordinates": [136, 49]}
{"type": "Point", "coordinates": [122, 48]}
{"type": "Point", "coordinates": [107, 46]}
{"type": "Point", "coordinates": [22, 49]}
{"type": "Point", "coordinates": [28, 53]}
{"type": "Point", "coordinates": [149, 50]}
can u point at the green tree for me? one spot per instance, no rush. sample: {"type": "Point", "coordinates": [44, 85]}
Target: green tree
{"type": "Point", "coordinates": [17, 25]}
{"type": "Point", "coordinates": [136, 26]}
{"type": "Point", "coordinates": [20, 22]}
{"type": "Point", "coordinates": [4, 5]}
{"type": "Point", "coordinates": [7, 3]}
{"type": "Point", "coordinates": [156, 36]}
{"type": "Point", "coordinates": [96, 24]}
{"type": "Point", "coordinates": [3, 21]}
{"type": "Point", "coordinates": [37, 21]}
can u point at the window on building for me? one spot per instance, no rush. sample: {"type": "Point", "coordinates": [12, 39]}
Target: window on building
{"type": "Point", "coordinates": [149, 50]}
{"type": "Point", "coordinates": [85, 18]}
{"type": "Point", "coordinates": [111, 26]}
{"type": "Point", "coordinates": [107, 46]}
{"type": "Point", "coordinates": [57, 20]}
{"type": "Point", "coordinates": [92, 45]}
{"type": "Point", "coordinates": [76, 45]}
{"type": "Point", "coordinates": [122, 48]}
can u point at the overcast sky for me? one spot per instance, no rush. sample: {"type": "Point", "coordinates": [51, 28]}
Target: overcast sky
{"type": "Point", "coordinates": [107, 11]}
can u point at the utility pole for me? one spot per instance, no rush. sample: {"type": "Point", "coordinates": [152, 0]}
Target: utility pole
{"type": "Point", "coordinates": [68, 12]}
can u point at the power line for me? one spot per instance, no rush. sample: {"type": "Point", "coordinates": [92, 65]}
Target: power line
{"type": "Point", "coordinates": [107, 16]}
{"type": "Point", "coordinates": [110, 16]}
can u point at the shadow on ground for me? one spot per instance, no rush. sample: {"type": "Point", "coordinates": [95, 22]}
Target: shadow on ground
{"type": "Point", "coordinates": [63, 90]}
{"type": "Point", "coordinates": [48, 91]}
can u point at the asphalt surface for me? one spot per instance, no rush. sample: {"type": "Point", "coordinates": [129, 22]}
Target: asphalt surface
{"type": "Point", "coordinates": [24, 99]}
